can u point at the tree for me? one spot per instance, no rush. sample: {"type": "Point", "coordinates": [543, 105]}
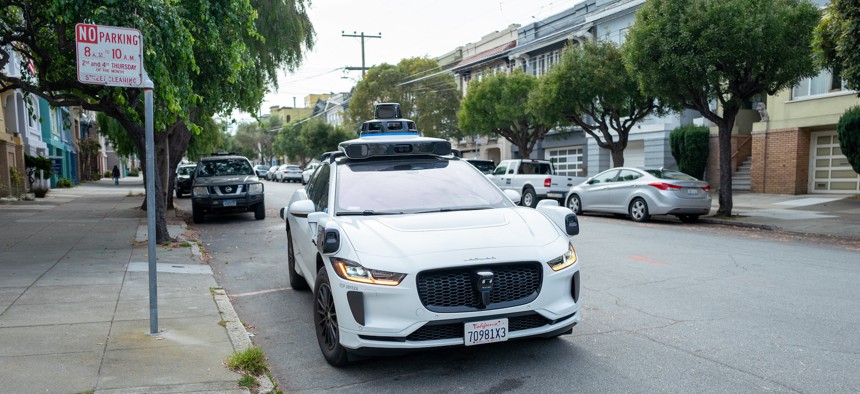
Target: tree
{"type": "Point", "coordinates": [319, 137]}
{"type": "Point", "coordinates": [591, 88]}
{"type": "Point", "coordinates": [290, 144]}
{"type": "Point", "coordinates": [429, 99]}
{"type": "Point", "coordinates": [690, 52]}
{"type": "Point", "coordinates": [198, 69]}
{"type": "Point", "coordinates": [849, 136]}
{"type": "Point", "coordinates": [837, 41]}
{"type": "Point", "coordinates": [499, 104]}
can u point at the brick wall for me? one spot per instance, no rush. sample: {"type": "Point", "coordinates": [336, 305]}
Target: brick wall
{"type": "Point", "coordinates": [780, 162]}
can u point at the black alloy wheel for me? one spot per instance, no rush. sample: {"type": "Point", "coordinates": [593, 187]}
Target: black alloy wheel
{"type": "Point", "coordinates": [325, 322]}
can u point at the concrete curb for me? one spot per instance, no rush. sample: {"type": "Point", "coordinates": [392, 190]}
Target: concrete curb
{"type": "Point", "coordinates": [726, 222]}
{"type": "Point", "coordinates": [238, 335]}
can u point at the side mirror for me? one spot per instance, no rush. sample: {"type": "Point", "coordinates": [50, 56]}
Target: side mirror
{"type": "Point", "coordinates": [328, 240]}
{"type": "Point", "coordinates": [302, 208]}
{"type": "Point", "coordinates": [571, 224]}
{"type": "Point", "coordinates": [514, 196]}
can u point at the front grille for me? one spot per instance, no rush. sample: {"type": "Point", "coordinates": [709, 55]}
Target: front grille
{"type": "Point", "coordinates": [228, 189]}
{"type": "Point", "coordinates": [453, 289]}
{"type": "Point", "coordinates": [455, 330]}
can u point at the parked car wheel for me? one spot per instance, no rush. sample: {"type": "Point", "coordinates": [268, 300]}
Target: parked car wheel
{"type": "Point", "coordinates": [325, 321]}
{"type": "Point", "coordinates": [178, 193]}
{"type": "Point", "coordinates": [260, 211]}
{"type": "Point", "coordinates": [638, 210]}
{"type": "Point", "coordinates": [688, 218]}
{"type": "Point", "coordinates": [529, 198]}
{"type": "Point", "coordinates": [197, 214]}
{"type": "Point", "coordinates": [296, 281]}
{"type": "Point", "coordinates": [575, 204]}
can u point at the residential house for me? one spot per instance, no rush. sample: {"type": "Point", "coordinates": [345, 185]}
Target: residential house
{"type": "Point", "coordinates": [13, 126]}
{"type": "Point", "coordinates": [485, 56]}
{"type": "Point", "coordinates": [794, 148]}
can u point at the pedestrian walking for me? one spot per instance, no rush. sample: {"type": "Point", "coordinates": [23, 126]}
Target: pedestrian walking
{"type": "Point", "coordinates": [115, 175]}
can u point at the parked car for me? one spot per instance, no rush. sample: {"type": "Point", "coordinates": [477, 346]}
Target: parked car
{"type": "Point", "coordinates": [262, 170]}
{"type": "Point", "coordinates": [485, 166]}
{"type": "Point", "coordinates": [290, 173]}
{"type": "Point", "coordinates": [534, 179]}
{"type": "Point", "coordinates": [272, 174]}
{"type": "Point", "coordinates": [642, 192]}
{"type": "Point", "coordinates": [309, 170]}
{"type": "Point", "coordinates": [182, 185]}
{"type": "Point", "coordinates": [491, 271]}
{"type": "Point", "coordinates": [226, 183]}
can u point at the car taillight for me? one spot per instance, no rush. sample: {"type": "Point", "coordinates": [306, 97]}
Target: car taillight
{"type": "Point", "coordinates": [547, 182]}
{"type": "Point", "coordinates": [665, 186]}
{"type": "Point", "coordinates": [706, 188]}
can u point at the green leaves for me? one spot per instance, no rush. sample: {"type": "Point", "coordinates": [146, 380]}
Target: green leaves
{"type": "Point", "coordinates": [837, 40]}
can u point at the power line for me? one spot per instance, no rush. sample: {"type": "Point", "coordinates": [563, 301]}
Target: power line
{"type": "Point", "coordinates": [362, 36]}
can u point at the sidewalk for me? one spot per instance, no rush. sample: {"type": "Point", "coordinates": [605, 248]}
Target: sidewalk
{"type": "Point", "coordinates": [815, 214]}
{"type": "Point", "coordinates": [74, 300]}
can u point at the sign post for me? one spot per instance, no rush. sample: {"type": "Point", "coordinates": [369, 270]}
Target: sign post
{"type": "Point", "coordinates": [113, 56]}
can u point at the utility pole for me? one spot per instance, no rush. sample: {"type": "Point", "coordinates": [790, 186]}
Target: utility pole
{"type": "Point", "coordinates": [362, 36]}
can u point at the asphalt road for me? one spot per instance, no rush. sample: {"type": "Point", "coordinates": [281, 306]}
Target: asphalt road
{"type": "Point", "coordinates": [667, 307]}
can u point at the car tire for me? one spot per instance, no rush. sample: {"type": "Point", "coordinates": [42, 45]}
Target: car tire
{"type": "Point", "coordinates": [688, 218]}
{"type": "Point", "coordinates": [325, 322]}
{"type": "Point", "coordinates": [529, 198]}
{"type": "Point", "coordinates": [575, 204]}
{"type": "Point", "coordinates": [178, 193]}
{"type": "Point", "coordinates": [197, 214]}
{"type": "Point", "coordinates": [297, 282]}
{"type": "Point", "coordinates": [638, 210]}
{"type": "Point", "coordinates": [260, 211]}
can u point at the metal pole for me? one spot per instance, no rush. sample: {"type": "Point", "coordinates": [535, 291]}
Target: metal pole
{"type": "Point", "coordinates": [150, 207]}
{"type": "Point", "coordinates": [363, 68]}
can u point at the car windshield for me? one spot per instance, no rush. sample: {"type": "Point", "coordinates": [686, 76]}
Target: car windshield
{"type": "Point", "coordinates": [225, 167]}
{"type": "Point", "coordinates": [486, 167]}
{"type": "Point", "coordinates": [673, 175]}
{"type": "Point", "coordinates": [262, 168]}
{"type": "Point", "coordinates": [412, 186]}
{"type": "Point", "coordinates": [186, 170]}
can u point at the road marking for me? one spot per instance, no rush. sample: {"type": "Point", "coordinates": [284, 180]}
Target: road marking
{"type": "Point", "coordinates": [647, 260]}
{"type": "Point", "coordinates": [253, 293]}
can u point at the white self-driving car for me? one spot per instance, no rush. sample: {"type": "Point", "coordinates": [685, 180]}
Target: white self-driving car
{"type": "Point", "coordinates": [406, 246]}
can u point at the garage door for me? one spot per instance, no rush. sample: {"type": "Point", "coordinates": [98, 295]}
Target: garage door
{"type": "Point", "coordinates": [567, 161]}
{"type": "Point", "coordinates": [634, 154]}
{"type": "Point", "coordinates": [831, 172]}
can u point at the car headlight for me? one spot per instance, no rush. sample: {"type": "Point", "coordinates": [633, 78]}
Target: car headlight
{"type": "Point", "coordinates": [353, 271]}
{"type": "Point", "coordinates": [563, 261]}
{"type": "Point", "coordinates": [201, 191]}
{"type": "Point", "coordinates": [255, 188]}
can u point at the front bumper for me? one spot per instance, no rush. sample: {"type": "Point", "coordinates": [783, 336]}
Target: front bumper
{"type": "Point", "coordinates": [374, 318]}
{"type": "Point", "coordinates": [214, 203]}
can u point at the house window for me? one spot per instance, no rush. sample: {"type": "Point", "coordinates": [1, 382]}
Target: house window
{"type": "Point", "coordinates": [822, 83]}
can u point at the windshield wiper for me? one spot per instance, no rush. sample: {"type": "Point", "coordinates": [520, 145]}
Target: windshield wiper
{"type": "Point", "coordinates": [368, 212]}
{"type": "Point", "coordinates": [454, 209]}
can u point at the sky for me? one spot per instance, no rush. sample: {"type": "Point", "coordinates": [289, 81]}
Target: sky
{"type": "Point", "coordinates": [409, 28]}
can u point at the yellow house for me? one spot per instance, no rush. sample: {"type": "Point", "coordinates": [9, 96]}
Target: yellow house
{"type": "Point", "coordinates": [795, 147]}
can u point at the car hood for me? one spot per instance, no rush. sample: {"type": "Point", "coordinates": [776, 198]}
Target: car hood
{"type": "Point", "coordinates": [224, 180]}
{"type": "Point", "coordinates": [399, 236]}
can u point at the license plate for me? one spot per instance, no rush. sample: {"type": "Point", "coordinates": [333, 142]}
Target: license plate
{"type": "Point", "coordinates": [692, 192]}
{"type": "Point", "coordinates": [487, 331]}
{"type": "Point", "coordinates": [553, 195]}
{"type": "Point", "coordinates": [229, 203]}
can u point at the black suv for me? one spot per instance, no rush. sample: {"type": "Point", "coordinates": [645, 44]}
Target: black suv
{"type": "Point", "coordinates": [226, 183]}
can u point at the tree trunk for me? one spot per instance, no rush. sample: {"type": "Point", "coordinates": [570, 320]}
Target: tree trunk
{"type": "Point", "coordinates": [139, 138]}
{"type": "Point", "coordinates": [725, 142]}
{"type": "Point", "coordinates": [179, 137]}
{"type": "Point", "coordinates": [617, 153]}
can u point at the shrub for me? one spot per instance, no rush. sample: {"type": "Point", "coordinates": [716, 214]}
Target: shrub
{"type": "Point", "coordinates": [96, 175]}
{"type": "Point", "coordinates": [64, 182]}
{"type": "Point", "coordinates": [849, 136]}
{"type": "Point", "coordinates": [108, 174]}
{"type": "Point", "coordinates": [133, 172]}
{"type": "Point", "coordinates": [690, 147]}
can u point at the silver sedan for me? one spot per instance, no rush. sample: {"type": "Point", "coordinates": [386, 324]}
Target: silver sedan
{"type": "Point", "coordinates": [642, 192]}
